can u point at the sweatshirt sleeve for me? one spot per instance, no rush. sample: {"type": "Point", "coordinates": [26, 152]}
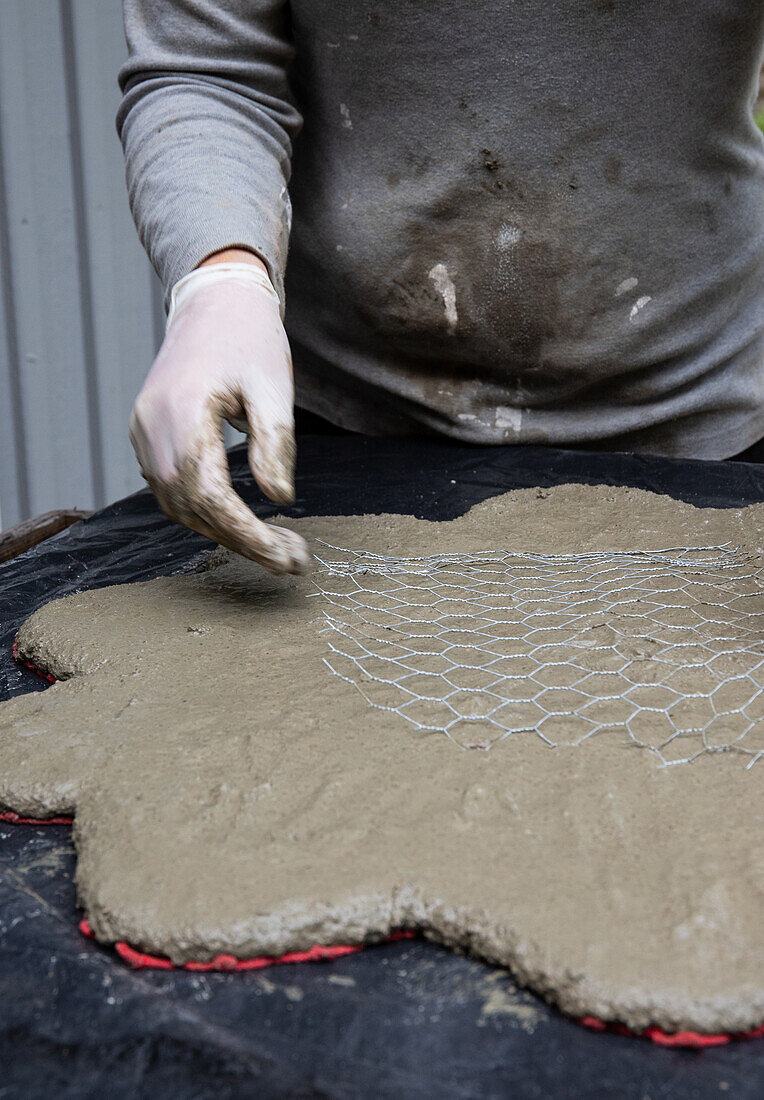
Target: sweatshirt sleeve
{"type": "Point", "coordinates": [207, 123]}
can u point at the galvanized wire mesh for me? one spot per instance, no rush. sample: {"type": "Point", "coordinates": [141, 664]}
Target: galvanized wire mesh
{"type": "Point", "coordinates": [664, 648]}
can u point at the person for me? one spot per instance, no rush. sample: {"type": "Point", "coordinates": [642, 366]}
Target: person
{"type": "Point", "coordinates": [514, 222]}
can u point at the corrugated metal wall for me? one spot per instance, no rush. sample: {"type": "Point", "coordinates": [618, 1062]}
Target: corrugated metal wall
{"type": "Point", "coordinates": [80, 308]}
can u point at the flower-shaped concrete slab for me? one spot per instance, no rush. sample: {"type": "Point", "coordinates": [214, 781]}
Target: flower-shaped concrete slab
{"type": "Point", "coordinates": [232, 795]}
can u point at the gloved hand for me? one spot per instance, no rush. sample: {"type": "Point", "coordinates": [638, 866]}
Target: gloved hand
{"type": "Point", "coordinates": [225, 355]}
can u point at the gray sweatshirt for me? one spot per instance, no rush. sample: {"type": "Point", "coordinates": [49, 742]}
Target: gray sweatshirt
{"type": "Point", "coordinates": [515, 221]}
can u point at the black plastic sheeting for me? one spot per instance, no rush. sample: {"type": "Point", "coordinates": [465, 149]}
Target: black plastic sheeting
{"type": "Point", "coordinates": [402, 1020]}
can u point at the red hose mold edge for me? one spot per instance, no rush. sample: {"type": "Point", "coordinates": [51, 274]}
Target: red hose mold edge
{"type": "Point", "coordinates": [693, 1039]}
{"type": "Point", "coordinates": [142, 961]}
{"type": "Point", "coordinates": [11, 818]}
{"type": "Point", "coordinates": [28, 664]}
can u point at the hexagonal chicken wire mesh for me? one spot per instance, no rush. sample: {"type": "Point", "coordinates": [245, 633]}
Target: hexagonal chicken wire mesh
{"type": "Point", "coordinates": [664, 647]}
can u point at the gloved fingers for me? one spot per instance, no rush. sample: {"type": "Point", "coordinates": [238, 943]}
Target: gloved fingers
{"type": "Point", "coordinates": [200, 496]}
{"type": "Point", "coordinates": [154, 455]}
{"type": "Point", "coordinates": [228, 521]}
{"type": "Point", "coordinates": [231, 523]}
{"type": "Point", "coordinates": [270, 442]}
{"type": "Point", "coordinates": [271, 452]}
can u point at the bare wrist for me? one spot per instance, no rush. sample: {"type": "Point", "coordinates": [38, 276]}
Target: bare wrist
{"type": "Point", "coordinates": [234, 256]}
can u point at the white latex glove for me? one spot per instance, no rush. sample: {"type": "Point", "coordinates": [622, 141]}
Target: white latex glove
{"type": "Point", "coordinates": [225, 355]}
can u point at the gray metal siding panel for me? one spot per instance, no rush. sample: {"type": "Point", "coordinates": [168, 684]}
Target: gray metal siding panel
{"type": "Point", "coordinates": [43, 254]}
{"type": "Point", "coordinates": [14, 489]}
{"type": "Point", "coordinates": [126, 294]}
{"type": "Point", "coordinates": [79, 304]}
